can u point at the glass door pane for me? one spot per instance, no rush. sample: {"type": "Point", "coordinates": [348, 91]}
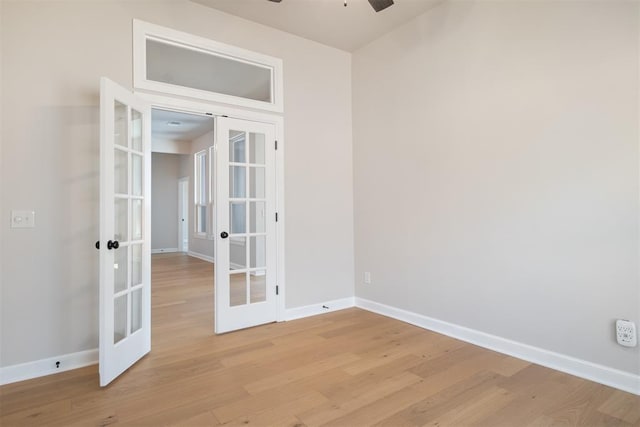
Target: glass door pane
{"type": "Point", "coordinates": [128, 172]}
{"type": "Point", "coordinates": [179, 65]}
{"type": "Point", "coordinates": [248, 234]}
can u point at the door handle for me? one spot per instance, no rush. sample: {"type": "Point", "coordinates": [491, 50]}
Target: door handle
{"type": "Point", "coordinates": [97, 244]}
{"type": "Point", "coordinates": [113, 244]}
{"type": "Point", "coordinates": [224, 234]}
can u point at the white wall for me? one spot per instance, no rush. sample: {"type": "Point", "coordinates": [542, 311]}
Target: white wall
{"type": "Point", "coordinates": [2, 208]}
{"type": "Point", "coordinates": [496, 171]}
{"type": "Point", "coordinates": [53, 54]}
{"type": "Point", "coordinates": [165, 172]}
{"type": "Point", "coordinates": [170, 146]}
{"type": "Point", "coordinates": [185, 165]}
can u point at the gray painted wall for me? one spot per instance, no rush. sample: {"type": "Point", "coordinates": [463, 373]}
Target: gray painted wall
{"type": "Point", "coordinates": [165, 172]}
{"type": "Point", "coordinates": [496, 171]}
{"type": "Point", "coordinates": [53, 55]}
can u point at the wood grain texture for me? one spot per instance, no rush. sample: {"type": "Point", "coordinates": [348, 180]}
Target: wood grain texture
{"type": "Point", "coordinates": [347, 368]}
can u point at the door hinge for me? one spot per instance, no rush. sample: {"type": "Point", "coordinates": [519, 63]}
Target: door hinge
{"type": "Point", "coordinates": [277, 290]}
{"type": "Point", "coordinates": [276, 144]}
{"type": "Point", "coordinates": [209, 114]}
{"type": "Point", "coordinates": [276, 216]}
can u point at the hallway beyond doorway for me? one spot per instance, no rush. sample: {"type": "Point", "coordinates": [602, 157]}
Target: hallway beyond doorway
{"type": "Point", "coordinates": [181, 298]}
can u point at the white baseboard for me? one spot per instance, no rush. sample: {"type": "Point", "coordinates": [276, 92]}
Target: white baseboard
{"type": "Point", "coordinates": [201, 256]}
{"type": "Point", "coordinates": [580, 368]}
{"type": "Point", "coordinates": [40, 368]}
{"type": "Point", "coordinates": [163, 250]}
{"type": "Point", "coordinates": [320, 308]}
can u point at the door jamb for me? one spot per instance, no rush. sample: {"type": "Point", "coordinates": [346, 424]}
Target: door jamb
{"type": "Point", "coordinates": [213, 110]}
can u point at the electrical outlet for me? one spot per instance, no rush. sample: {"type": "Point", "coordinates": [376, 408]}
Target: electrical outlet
{"type": "Point", "coordinates": [367, 277]}
{"type": "Point", "coordinates": [626, 333]}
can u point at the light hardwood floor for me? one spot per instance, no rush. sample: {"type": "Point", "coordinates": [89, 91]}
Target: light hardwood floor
{"type": "Point", "coordinates": [348, 368]}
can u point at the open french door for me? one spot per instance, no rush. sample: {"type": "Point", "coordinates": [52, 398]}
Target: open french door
{"type": "Point", "coordinates": [125, 256]}
{"type": "Point", "coordinates": [245, 269]}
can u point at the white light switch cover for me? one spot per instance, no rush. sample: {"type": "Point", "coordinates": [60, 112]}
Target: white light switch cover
{"type": "Point", "coordinates": [23, 219]}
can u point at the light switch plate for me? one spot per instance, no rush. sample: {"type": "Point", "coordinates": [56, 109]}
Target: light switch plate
{"type": "Point", "coordinates": [23, 219]}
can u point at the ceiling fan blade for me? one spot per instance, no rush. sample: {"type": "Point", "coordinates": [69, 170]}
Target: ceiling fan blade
{"type": "Point", "coordinates": [379, 5]}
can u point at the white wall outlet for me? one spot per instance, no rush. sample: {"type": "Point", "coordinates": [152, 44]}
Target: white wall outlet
{"type": "Point", "coordinates": [23, 219]}
{"type": "Point", "coordinates": [367, 277]}
{"type": "Point", "coordinates": [626, 333]}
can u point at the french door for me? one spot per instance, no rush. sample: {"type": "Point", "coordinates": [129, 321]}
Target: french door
{"type": "Point", "coordinates": [245, 269]}
{"type": "Point", "coordinates": [125, 260]}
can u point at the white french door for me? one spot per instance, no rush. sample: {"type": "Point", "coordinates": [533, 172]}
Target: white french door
{"type": "Point", "coordinates": [125, 256]}
{"type": "Point", "coordinates": [245, 269]}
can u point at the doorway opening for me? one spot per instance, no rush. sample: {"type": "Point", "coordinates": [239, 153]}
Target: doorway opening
{"type": "Point", "coordinates": [248, 246]}
{"type": "Point", "coordinates": [248, 199]}
{"type": "Point", "coordinates": [183, 151]}
{"type": "Point", "coordinates": [182, 239]}
{"type": "Point", "coordinates": [182, 147]}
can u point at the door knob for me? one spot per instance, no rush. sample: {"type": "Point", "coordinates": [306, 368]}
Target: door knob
{"type": "Point", "coordinates": [224, 234]}
{"type": "Point", "coordinates": [113, 244]}
{"type": "Point", "coordinates": [97, 244]}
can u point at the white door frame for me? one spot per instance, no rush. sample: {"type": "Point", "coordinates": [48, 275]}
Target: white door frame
{"type": "Point", "coordinates": [183, 199]}
{"type": "Point", "coordinates": [205, 108]}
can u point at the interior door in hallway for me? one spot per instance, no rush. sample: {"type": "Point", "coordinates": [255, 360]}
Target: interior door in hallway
{"type": "Point", "coordinates": [183, 214]}
{"type": "Point", "coordinates": [245, 273]}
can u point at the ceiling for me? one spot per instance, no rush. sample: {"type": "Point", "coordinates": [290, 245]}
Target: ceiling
{"type": "Point", "coordinates": [326, 21]}
{"type": "Point", "coordinates": [190, 126]}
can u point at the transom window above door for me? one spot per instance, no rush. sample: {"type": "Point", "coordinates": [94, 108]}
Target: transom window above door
{"type": "Point", "coordinates": [170, 61]}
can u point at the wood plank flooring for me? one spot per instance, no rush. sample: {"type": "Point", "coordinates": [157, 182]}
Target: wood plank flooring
{"type": "Point", "coordinates": [348, 368]}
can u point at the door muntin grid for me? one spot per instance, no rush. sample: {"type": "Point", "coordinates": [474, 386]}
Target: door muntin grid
{"type": "Point", "coordinates": [247, 218]}
{"type": "Point", "coordinates": [128, 221]}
